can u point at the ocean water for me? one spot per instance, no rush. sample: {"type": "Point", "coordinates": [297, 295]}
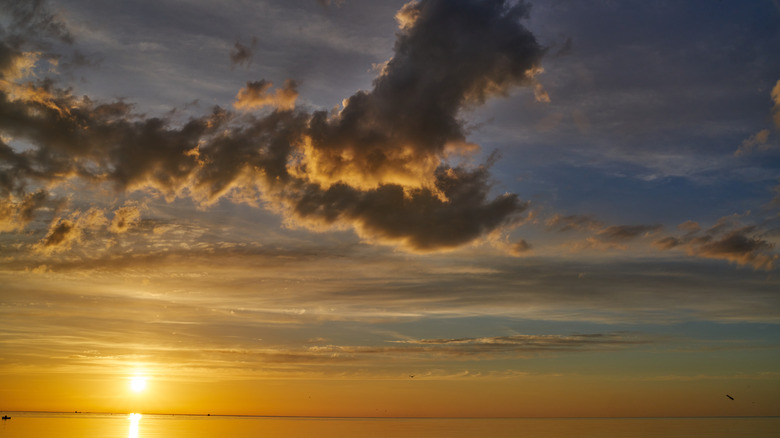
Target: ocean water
{"type": "Point", "coordinates": [86, 425]}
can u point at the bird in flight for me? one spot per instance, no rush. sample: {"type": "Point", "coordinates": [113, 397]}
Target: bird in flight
{"type": "Point", "coordinates": [730, 397]}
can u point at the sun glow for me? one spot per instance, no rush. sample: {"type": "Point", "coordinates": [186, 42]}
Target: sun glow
{"type": "Point", "coordinates": [137, 383]}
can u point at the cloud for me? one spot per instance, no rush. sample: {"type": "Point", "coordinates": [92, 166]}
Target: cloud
{"type": "Point", "coordinates": [617, 233]}
{"type": "Point", "coordinates": [448, 55]}
{"type": "Point", "coordinates": [521, 247]}
{"type": "Point", "coordinates": [383, 164]}
{"type": "Point", "coordinates": [66, 232]}
{"type": "Point", "coordinates": [94, 218]}
{"type": "Point", "coordinates": [416, 218]}
{"type": "Point", "coordinates": [740, 246]}
{"type": "Point", "coordinates": [516, 343]}
{"type": "Point", "coordinates": [573, 222]}
{"type": "Point", "coordinates": [755, 142]}
{"type": "Point", "coordinates": [760, 140]}
{"type": "Point", "coordinates": [255, 95]}
{"type": "Point", "coordinates": [599, 236]}
{"type": "Point", "coordinates": [16, 213]}
{"type": "Point", "coordinates": [776, 108]}
{"type": "Point", "coordinates": [242, 54]}
{"type": "Point", "coordinates": [331, 2]}
{"type": "Point", "coordinates": [727, 240]}
{"type": "Point", "coordinates": [124, 219]}
{"type": "Point", "coordinates": [30, 19]}
{"type": "Point", "coordinates": [62, 234]}
{"type": "Point", "coordinates": [463, 348]}
{"type": "Point", "coordinates": [689, 226]}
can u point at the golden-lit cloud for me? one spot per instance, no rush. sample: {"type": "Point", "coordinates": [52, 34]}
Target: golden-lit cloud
{"type": "Point", "coordinates": [408, 15]}
{"type": "Point", "coordinates": [16, 66]}
{"type": "Point", "coordinates": [125, 218]}
{"type": "Point", "coordinates": [520, 247]}
{"type": "Point", "coordinates": [62, 234]}
{"type": "Point", "coordinates": [16, 213]}
{"type": "Point", "coordinates": [757, 142]}
{"type": "Point", "coordinates": [257, 95]}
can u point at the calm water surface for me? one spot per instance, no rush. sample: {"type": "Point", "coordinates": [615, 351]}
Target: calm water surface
{"type": "Point", "coordinates": [51, 425]}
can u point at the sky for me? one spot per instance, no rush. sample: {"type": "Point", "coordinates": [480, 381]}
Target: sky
{"type": "Point", "coordinates": [427, 208]}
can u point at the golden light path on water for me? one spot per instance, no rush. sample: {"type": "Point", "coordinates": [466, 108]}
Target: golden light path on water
{"type": "Point", "coordinates": [134, 420]}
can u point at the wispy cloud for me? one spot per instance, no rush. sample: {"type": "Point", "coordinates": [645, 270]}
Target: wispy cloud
{"type": "Point", "coordinates": [757, 142]}
{"type": "Point", "coordinates": [242, 54]}
{"type": "Point", "coordinates": [728, 240]}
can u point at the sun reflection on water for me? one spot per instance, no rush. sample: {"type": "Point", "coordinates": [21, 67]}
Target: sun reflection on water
{"type": "Point", "coordinates": [134, 420]}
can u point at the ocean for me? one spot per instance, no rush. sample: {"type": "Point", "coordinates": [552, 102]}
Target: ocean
{"type": "Point", "coordinates": [86, 425]}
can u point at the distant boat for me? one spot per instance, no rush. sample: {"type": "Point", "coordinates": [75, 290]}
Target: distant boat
{"type": "Point", "coordinates": [6, 417]}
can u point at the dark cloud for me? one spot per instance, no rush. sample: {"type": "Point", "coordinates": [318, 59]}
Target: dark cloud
{"type": "Point", "coordinates": [331, 2]}
{"type": "Point", "coordinates": [740, 246]}
{"type": "Point", "coordinates": [241, 55]}
{"type": "Point", "coordinates": [618, 233]}
{"type": "Point", "coordinates": [573, 222]}
{"type": "Point", "coordinates": [448, 55]}
{"type": "Point", "coordinates": [667, 242]}
{"type": "Point", "coordinates": [31, 19]}
{"type": "Point", "coordinates": [728, 240]}
{"type": "Point", "coordinates": [599, 236]}
{"type": "Point", "coordinates": [379, 165]}
{"type": "Point", "coordinates": [417, 218]}
{"type": "Point", "coordinates": [61, 236]}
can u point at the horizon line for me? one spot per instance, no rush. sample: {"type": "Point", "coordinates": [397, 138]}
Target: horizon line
{"type": "Point", "coordinates": [607, 417]}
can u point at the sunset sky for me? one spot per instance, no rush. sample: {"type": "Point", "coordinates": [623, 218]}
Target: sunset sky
{"type": "Point", "coordinates": [390, 208]}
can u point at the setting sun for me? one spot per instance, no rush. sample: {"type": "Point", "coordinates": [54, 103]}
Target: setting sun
{"type": "Point", "coordinates": [138, 384]}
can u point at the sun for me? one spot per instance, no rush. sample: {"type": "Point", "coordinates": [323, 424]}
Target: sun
{"type": "Point", "coordinates": [137, 383]}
